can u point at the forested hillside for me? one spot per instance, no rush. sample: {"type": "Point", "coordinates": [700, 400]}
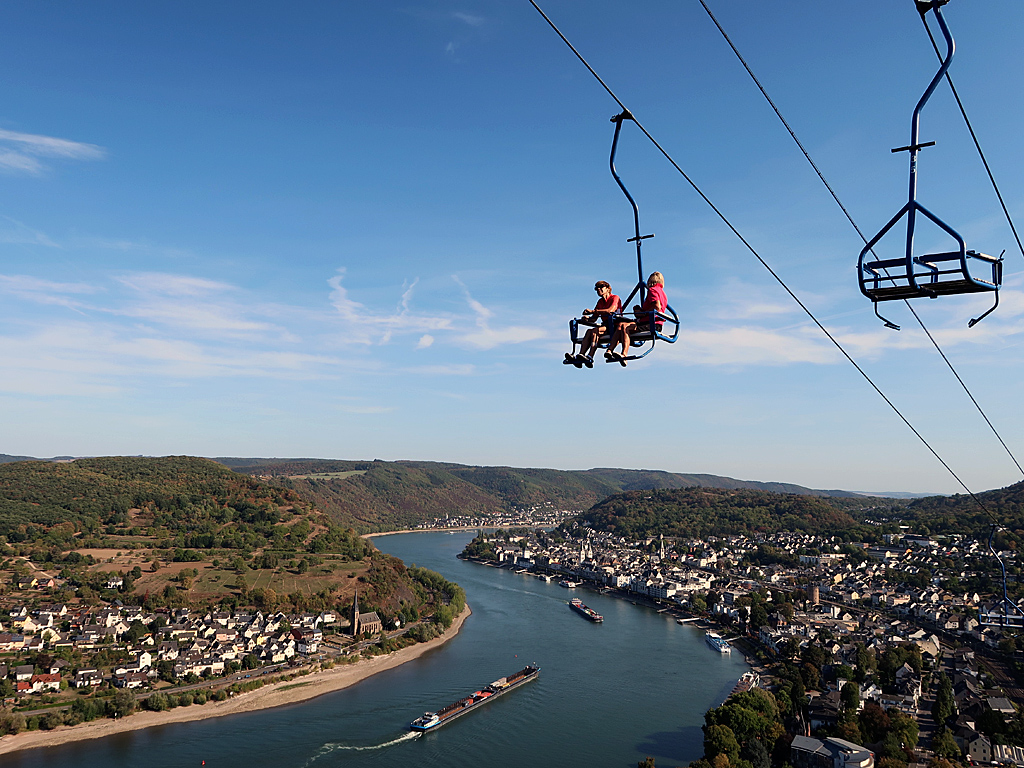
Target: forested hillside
{"type": "Point", "coordinates": [973, 517]}
{"type": "Point", "coordinates": [381, 495]}
{"type": "Point", "coordinates": [184, 530]}
{"type": "Point", "coordinates": [700, 512]}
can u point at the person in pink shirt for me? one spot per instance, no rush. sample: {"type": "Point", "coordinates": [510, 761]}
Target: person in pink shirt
{"type": "Point", "coordinates": [656, 301]}
{"type": "Point", "coordinates": [608, 305]}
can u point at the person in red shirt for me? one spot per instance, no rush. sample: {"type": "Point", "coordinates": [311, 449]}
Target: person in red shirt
{"type": "Point", "coordinates": [656, 301]}
{"type": "Point", "coordinates": [608, 305]}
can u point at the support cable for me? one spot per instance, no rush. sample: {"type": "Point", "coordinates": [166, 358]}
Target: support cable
{"type": "Point", "coordinates": [977, 144]}
{"type": "Point", "coordinates": [771, 271]}
{"type": "Point", "coordinates": [853, 223]}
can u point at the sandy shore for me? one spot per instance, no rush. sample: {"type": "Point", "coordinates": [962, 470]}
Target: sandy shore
{"type": "Point", "coordinates": [275, 695]}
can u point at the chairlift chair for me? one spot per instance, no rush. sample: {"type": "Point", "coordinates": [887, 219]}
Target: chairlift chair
{"type": "Point", "coordinates": [957, 271]}
{"type": "Point", "coordinates": [651, 326]}
{"type": "Point", "coordinates": [1005, 613]}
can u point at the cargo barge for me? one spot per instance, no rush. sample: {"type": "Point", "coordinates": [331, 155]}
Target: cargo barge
{"type": "Point", "coordinates": [433, 720]}
{"type": "Point", "coordinates": [577, 605]}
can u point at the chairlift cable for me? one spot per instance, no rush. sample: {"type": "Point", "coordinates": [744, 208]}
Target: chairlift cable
{"type": "Point", "coordinates": [977, 143]}
{"type": "Point", "coordinates": [849, 217]}
{"type": "Point", "coordinates": [768, 267]}
{"type": "Point", "coordinates": [1006, 603]}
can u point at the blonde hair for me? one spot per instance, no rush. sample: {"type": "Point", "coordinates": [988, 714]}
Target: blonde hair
{"type": "Point", "coordinates": [656, 278]}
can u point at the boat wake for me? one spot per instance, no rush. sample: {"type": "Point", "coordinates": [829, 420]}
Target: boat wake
{"type": "Point", "coordinates": [326, 749]}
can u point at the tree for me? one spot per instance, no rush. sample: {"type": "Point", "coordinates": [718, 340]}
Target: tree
{"type": "Point", "coordinates": [944, 705]}
{"type": "Point", "coordinates": [843, 672]}
{"type": "Point", "coordinates": [905, 727]}
{"type": "Point", "coordinates": [811, 675]}
{"type": "Point", "coordinates": [944, 745]}
{"type": "Point", "coordinates": [720, 740]}
{"type": "Point", "coordinates": [849, 730]}
{"type": "Point", "coordinates": [756, 753]}
{"type": "Point", "coordinates": [135, 632]}
{"type": "Point", "coordinates": [165, 670]}
{"type": "Point", "coordinates": [758, 616]}
{"type": "Point", "coordinates": [122, 705]}
{"type": "Point", "coordinates": [874, 723]}
{"type": "Point", "coordinates": [866, 663]}
{"type": "Point", "coordinates": [893, 747]}
{"type": "Point", "coordinates": [11, 722]}
{"type": "Point", "coordinates": [849, 696]}
{"type": "Point", "coordinates": [814, 655]}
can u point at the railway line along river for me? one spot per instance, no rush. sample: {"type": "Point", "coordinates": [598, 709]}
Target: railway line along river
{"type": "Point", "coordinates": [608, 694]}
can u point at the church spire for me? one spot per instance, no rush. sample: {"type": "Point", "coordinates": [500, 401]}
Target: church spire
{"type": "Point", "coordinates": [355, 615]}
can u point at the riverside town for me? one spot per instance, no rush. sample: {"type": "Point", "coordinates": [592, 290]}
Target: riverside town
{"type": "Point", "coordinates": [852, 634]}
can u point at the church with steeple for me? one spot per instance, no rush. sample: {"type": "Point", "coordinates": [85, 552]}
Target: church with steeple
{"type": "Point", "coordinates": [364, 622]}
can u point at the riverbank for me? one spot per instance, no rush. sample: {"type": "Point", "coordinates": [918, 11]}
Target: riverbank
{"type": "Point", "coordinates": [744, 646]}
{"type": "Point", "coordinates": [431, 530]}
{"type": "Point", "coordinates": [273, 695]}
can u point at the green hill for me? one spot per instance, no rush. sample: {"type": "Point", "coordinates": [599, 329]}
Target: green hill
{"type": "Point", "coordinates": [700, 512]}
{"type": "Point", "coordinates": [961, 514]}
{"type": "Point", "coordinates": [242, 539]}
{"type": "Point", "coordinates": [381, 495]}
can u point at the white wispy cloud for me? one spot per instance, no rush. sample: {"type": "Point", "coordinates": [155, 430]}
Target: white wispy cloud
{"type": "Point", "coordinates": [368, 410]}
{"type": "Point", "coordinates": [46, 292]}
{"type": "Point", "coordinates": [365, 326]}
{"type": "Point", "coordinates": [193, 304]}
{"type": "Point", "coordinates": [21, 152]}
{"type": "Point", "coordinates": [443, 370]}
{"type": "Point", "coordinates": [747, 345]}
{"type": "Point", "coordinates": [751, 345]}
{"type": "Point", "coordinates": [469, 18]}
{"type": "Point", "coordinates": [15, 232]}
{"type": "Point", "coordinates": [484, 336]}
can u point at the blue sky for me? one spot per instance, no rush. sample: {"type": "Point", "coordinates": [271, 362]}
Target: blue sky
{"type": "Point", "coordinates": [359, 230]}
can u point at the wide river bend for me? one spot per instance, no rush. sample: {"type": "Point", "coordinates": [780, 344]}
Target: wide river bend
{"type": "Point", "coordinates": [608, 694]}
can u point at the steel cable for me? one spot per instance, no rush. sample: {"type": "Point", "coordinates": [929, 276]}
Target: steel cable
{"type": "Point", "coordinates": [768, 267]}
{"type": "Point", "coordinates": [853, 223]}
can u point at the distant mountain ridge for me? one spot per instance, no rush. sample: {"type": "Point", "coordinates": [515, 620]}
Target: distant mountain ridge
{"type": "Point", "coordinates": [387, 495]}
{"type": "Point", "coordinates": [6, 458]}
{"type": "Point", "coordinates": [619, 479]}
{"type": "Point", "coordinates": [381, 495]}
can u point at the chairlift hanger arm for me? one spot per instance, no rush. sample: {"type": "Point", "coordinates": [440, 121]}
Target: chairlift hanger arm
{"type": "Point", "coordinates": [915, 123]}
{"type": "Point", "coordinates": [637, 238]}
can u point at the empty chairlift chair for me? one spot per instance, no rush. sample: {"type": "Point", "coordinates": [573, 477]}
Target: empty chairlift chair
{"type": "Point", "coordinates": [931, 275]}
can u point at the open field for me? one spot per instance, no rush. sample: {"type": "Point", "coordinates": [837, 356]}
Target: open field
{"type": "Point", "coordinates": [213, 581]}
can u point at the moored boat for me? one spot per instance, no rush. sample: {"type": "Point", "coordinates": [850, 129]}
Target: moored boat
{"type": "Point", "coordinates": [577, 605]}
{"type": "Point", "coordinates": [568, 584]}
{"type": "Point", "coordinates": [431, 720]}
{"type": "Point", "coordinates": [720, 644]}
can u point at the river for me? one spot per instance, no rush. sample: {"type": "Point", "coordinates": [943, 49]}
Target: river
{"type": "Point", "coordinates": [608, 695]}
